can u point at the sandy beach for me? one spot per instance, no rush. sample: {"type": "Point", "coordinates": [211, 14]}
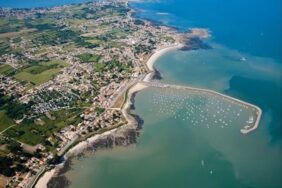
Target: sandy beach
{"type": "Point", "coordinates": [126, 107]}
{"type": "Point", "coordinates": [157, 55]}
{"type": "Point", "coordinates": [42, 182]}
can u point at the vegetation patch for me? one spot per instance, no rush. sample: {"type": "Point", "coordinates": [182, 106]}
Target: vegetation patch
{"type": "Point", "coordinates": [4, 47]}
{"type": "Point", "coordinates": [11, 25]}
{"type": "Point", "coordinates": [5, 69]}
{"type": "Point", "coordinates": [40, 73]}
{"type": "Point", "coordinates": [95, 41]}
{"type": "Point", "coordinates": [5, 121]}
{"type": "Point", "coordinates": [86, 58]}
{"type": "Point", "coordinates": [113, 65]}
{"type": "Point", "coordinates": [16, 33]}
{"type": "Point", "coordinates": [31, 133]}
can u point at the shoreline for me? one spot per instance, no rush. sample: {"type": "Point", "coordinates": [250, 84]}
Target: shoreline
{"type": "Point", "coordinates": [131, 119]}
{"type": "Point", "coordinates": [155, 56]}
{"type": "Point", "coordinates": [128, 103]}
{"type": "Point", "coordinates": [100, 140]}
{"type": "Point", "coordinates": [43, 181]}
{"type": "Point", "coordinates": [158, 53]}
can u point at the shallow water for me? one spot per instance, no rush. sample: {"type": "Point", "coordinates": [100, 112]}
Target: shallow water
{"type": "Point", "coordinates": [180, 150]}
{"type": "Point", "coordinates": [256, 80]}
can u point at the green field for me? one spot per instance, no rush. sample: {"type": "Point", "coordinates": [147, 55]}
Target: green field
{"type": "Point", "coordinates": [86, 58]}
{"type": "Point", "coordinates": [5, 69]}
{"type": "Point", "coordinates": [69, 46]}
{"type": "Point", "coordinates": [16, 33]}
{"type": "Point", "coordinates": [95, 41]}
{"type": "Point", "coordinates": [40, 73]}
{"type": "Point", "coordinates": [5, 121]}
{"type": "Point", "coordinates": [11, 25]}
{"type": "Point", "coordinates": [4, 47]}
{"type": "Point", "coordinates": [30, 133]}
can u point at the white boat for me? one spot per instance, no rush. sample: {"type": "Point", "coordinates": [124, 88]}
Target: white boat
{"type": "Point", "coordinates": [243, 59]}
{"type": "Point", "coordinates": [247, 126]}
{"type": "Point", "coordinates": [203, 163]}
{"type": "Point", "coordinates": [251, 119]}
{"type": "Point", "coordinates": [244, 131]}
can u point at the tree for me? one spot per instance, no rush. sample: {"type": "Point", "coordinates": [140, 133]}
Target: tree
{"type": "Point", "coordinates": [15, 147]}
{"type": "Point", "coordinates": [5, 166]}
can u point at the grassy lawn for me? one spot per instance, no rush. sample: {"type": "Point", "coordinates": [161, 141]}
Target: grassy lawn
{"type": "Point", "coordinates": [95, 41]}
{"type": "Point", "coordinates": [77, 22]}
{"type": "Point", "coordinates": [86, 58]}
{"type": "Point", "coordinates": [16, 33]}
{"type": "Point", "coordinates": [69, 46]}
{"type": "Point", "coordinates": [5, 121]}
{"type": "Point", "coordinates": [11, 24]}
{"type": "Point", "coordinates": [42, 50]}
{"type": "Point", "coordinates": [4, 47]}
{"type": "Point", "coordinates": [40, 73]}
{"type": "Point", "coordinates": [118, 33]}
{"type": "Point", "coordinates": [4, 152]}
{"type": "Point", "coordinates": [114, 44]}
{"type": "Point", "coordinates": [30, 133]}
{"type": "Point", "coordinates": [5, 69]}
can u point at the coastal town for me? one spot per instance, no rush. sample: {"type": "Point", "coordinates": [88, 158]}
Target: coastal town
{"type": "Point", "coordinates": [68, 76]}
{"type": "Point", "coordinates": [65, 72]}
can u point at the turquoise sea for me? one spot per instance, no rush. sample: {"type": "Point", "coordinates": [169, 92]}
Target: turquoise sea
{"type": "Point", "coordinates": [246, 58]}
{"type": "Point", "coordinates": [177, 149]}
{"type": "Point", "coordinates": [181, 143]}
{"type": "Point", "coordinates": [250, 26]}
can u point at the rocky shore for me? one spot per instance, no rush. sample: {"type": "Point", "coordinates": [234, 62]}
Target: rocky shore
{"type": "Point", "coordinates": [121, 136]}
